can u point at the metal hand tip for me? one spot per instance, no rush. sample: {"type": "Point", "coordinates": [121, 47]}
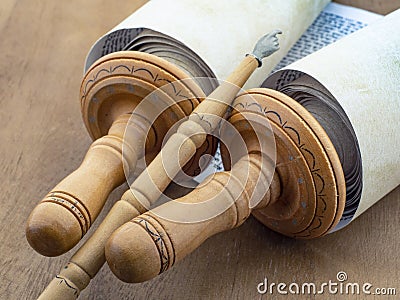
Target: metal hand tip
{"type": "Point", "coordinates": [267, 45]}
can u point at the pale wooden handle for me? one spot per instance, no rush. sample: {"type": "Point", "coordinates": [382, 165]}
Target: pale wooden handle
{"type": "Point", "coordinates": [209, 112]}
{"type": "Point", "coordinates": [60, 288]}
{"type": "Point", "coordinates": [67, 285]}
{"type": "Point", "coordinates": [149, 244]}
{"type": "Point", "coordinates": [61, 219]}
{"type": "Point", "coordinates": [150, 183]}
{"type": "Point", "coordinates": [89, 259]}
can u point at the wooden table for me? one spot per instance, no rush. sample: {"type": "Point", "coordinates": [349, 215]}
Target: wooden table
{"type": "Point", "coordinates": [43, 47]}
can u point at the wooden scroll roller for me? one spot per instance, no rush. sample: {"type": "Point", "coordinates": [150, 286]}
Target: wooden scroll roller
{"type": "Point", "coordinates": [322, 119]}
{"type": "Point", "coordinates": [110, 90]}
{"type": "Point", "coordinates": [150, 184]}
{"type": "Point", "coordinates": [305, 198]}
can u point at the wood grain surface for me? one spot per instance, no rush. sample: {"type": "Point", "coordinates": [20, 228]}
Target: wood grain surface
{"type": "Point", "coordinates": [43, 47]}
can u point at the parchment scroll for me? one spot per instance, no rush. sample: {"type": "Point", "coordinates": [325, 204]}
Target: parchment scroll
{"type": "Point", "coordinates": [218, 31]}
{"type": "Point", "coordinates": [362, 72]}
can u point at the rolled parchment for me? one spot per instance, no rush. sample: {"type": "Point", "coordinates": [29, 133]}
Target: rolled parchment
{"type": "Point", "coordinates": [217, 33]}
{"type": "Point", "coordinates": [358, 78]}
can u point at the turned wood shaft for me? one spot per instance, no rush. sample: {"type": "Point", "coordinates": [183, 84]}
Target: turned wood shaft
{"type": "Point", "coordinates": [150, 244]}
{"type": "Point", "coordinates": [60, 220]}
{"type": "Point", "coordinates": [220, 98]}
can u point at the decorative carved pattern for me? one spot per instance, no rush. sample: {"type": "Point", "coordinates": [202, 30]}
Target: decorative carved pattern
{"type": "Point", "coordinates": [131, 70]}
{"type": "Point", "coordinates": [309, 156]}
{"type": "Point", "coordinates": [74, 205]}
{"type": "Point", "coordinates": [65, 281]}
{"type": "Point", "coordinates": [161, 240]}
